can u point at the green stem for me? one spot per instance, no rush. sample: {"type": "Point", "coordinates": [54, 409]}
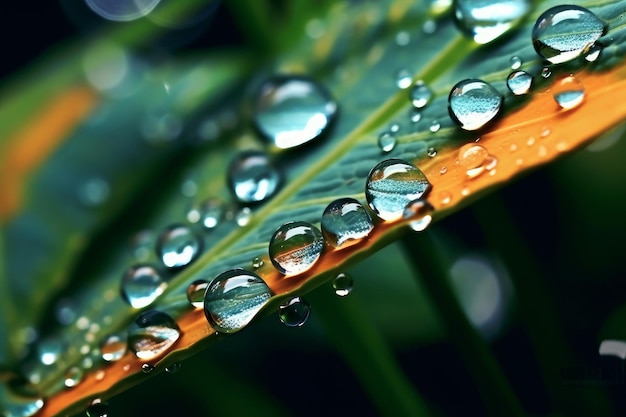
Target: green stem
{"type": "Point", "coordinates": [368, 355]}
{"type": "Point", "coordinates": [536, 307]}
{"type": "Point", "coordinates": [498, 396]}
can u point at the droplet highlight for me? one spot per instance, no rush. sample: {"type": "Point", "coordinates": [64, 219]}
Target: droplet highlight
{"type": "Point", "coordinates": [391, 185]}
{"type": "Point", "coordinates": [345, 222]}
{"type": "Point", "coordinates": [485, 20]}
{"type": "Point", "coordinates": [295, 247]}
{"type": "Point", "coordinates": [233, 298]}
{"type": "Point", "coordinates": [152, 334]}
{"type": "Point", "coordinates": [473, 103]}
{"type": "Point", "coordinates": [141, 285]}
{"type": "Point", "coordinates": [519, 82]}
{"type": "Point", "coordinates": [178, 246]}
{"type": "Point", "coordinates": [252, 177]}
{"type": "Point", "coordinates": [294, 313]}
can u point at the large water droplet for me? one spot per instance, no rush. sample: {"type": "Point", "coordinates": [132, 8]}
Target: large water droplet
{"type": "Point", "coordinates": [177, 246]}
{"type": "Point", "coordinates": [195, 293]}
{"type": "Point", "coordinates": [152, 334]}
{"type": "Point", "coordinates": [252, 177]}
{"type": "Point", "coordinates": [487, 20]}
{"type": "Point", "coordinates": [474, 103]}
{"type": "Point", "coordinates": [113, 348]}
{"type": "Point", "coordinates": [233, 298]}
{"type": "Point", "coordinates": [563, 33]}
{"type": "Point", "coordinates": [519, 82]}
{"type": "Point", "coordinates": [345, 222]}
{"type": "Point", "coordinates": [391, 185]}
{"type": "Point", "coordinates": [141, 285]}
{"type": "Point", "coordinates": [475, 159]}
{"type": "Point", "coordinates": [568, 93]}
{"type": "Point", "coordinates": [73, 376]}
{"type": "Point", "coordinates": [293, 110]}
{"type": "Point", "coordinates": [420, 94]}
{"type": "Point", "coordinates": [295, 312]}
{"type": "Point", "coordinates": [343, 284]}
{"type": "Point", "coordinates": [295, 247]}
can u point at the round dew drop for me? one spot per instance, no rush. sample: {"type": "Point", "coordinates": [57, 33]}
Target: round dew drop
{"type": "Point", "coordinates": [343, 284]}
{"type": "Point", "coordinates": [387, 141]}
{"type": "Point", "coordinates": [419, 212]}
{"type": "Point", "coordinates": [141, 285]}
{"type": "Point", "coordinates": [473, 103]}
{"type": "Point", "coordinates": [294, 313]}
{"type": "Point", "coordinates": [563, 33]}
{"type": "Point", "coordinates": [568, 93]}
{"type": "Point", "coordinates": [519, 82]}
{"type": "Point", "coordinates": [391, 185]}
{"type": "Point", "coordinates": [113, 348]}
{"type": "Point", "coordinates": [403, 78]}
{"type": "Point", "coordinates": [290, 111]}
{"type": "Point", "coordinates": [486, 20]}
{"type": "Point", "coordinates": [420, 95]}
{"type": "Point", "coordinates": [295, 247]}
{"type": "Point", "coordinates": [252, 178]}
{"type": "Point", "coordinates": [345, 222]}
{"type": "Point", "coordinates": [98, 409]}
{"type": "Point", "coordinates": [178, 246]}
{"type": "Point", "coordinates": [233, 298]}
{"type": "Point", "coordinates": [152, 334]}
{"type": "Point", "coordinates": [73, 376]}
{"type": "Point", "coordinates": [195, 293]}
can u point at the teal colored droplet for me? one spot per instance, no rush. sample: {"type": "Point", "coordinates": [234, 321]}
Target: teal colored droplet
{"type": "Point", "coordinates": [485, 20]}
{"type": "Point", "coordinates": [152, 334]}
{"type": "Point", "coordinates": [290, 111]}
{"type": "Point", "coordinates": [387, 141]}
{"type": "Point", "coordinates": [473, 103]}
{"type": "Point", "coordinates": [420, 94]}
{"type": "Point", "coordinates": [252, 177]}
{"type": "Point", "coordinates": [178, 246]}
{"type": "Point", "coordinates": [563, 33]}
{"type": "Point", "coordinates": [195, 293]}
{"type": "Point", "coordinates": [141, 285]}
{"type": "Point", "coordinates": [519, 82]}
{"type": "Point", "coordinates": [516, 62]}
{"type": "Point", "coordinates": [391, 185]}
{"type": "Point", "coordinates": [295, 247]}
{"type": "Point", "coordinates": [233, 298]}
{"type": "Point", "coordinates": [403, 78]}
{"type": "Point", "coordinates": [295, 312]}
{"type": "Point", "coordinates": [345, 222]}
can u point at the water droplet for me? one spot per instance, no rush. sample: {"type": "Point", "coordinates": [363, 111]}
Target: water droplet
{"type": "Point", "coordinates": [146, 368]}
{"type": "Point", "coordinates": [65, 312]}
{"type": "Point", "coordinates": [568, 93]}
{"type": "Point", "coordinates": [387, 141]}
{"type": "Point", "coordinates": [113, 348]}
{"type": "Point", "coordinates": [49, 351]}
{"type": "Point", "coordinates": [415, 115]}
{"type": "Point", "coordinates": [445, 198]}
{"type": "Point", "coordinates": [474, 103]}
{"type": "Point", "coordinates": [434, 126]}
{"type": "Point", "coordinates": [429, 27]}
{"type": "Point", "coordinates": [243, 216]}
{"type": "Point", "coordinates": [403, 38]}
{"type": "Point", "coordinates": [233, 299]}
{"type": "Point", "coordinates": [394, 128]}
{"type": "Point", "coordinates": [475, 160]}
{"type": "Point", "coordinates": [403, 78]}
{"type": "Point", "coordinates": [594, 53]}
{"type": "Point", "coordinates": [530, 141]}
{"type": "Point", "coordinates": [293, 110]}
{"type": "Point", "coordinates": [173, 368]}
{"type": "Point", "coordinates": [94, 192]}
{"type": "Point", "coordinates": [516, 62]}
{"type": "Point", "coordinates": [177, 246]}
{"type": "Point", "coordinates": [345, 222]}
{"type": "Point", "coordinates": [141, 285]}
{"type": "Point", "coordinates": [545, 132]}
{"type": "Point", "coordinates": [343, 284]}
{"type": "Point", "coordinates": [98, 408]}
{"type": "Point", "coordinates": [73, 376]}
{"type": "Point", "coordinates": [189, 188]}
{"type": "Point", "coordinates": [210, 212]}
{"type": "Point", "coordinates": [152, 334]}
{"type": "Point", "coordinates": [315, 28]}
{"type": "Point", "coordinates": [257, 262]}
{"type": "Point", "coordinates": [443, 170]}
{"type": "Point", "coordinates": [295, 247]}
{"type": "Point", "coordinates": [420, 94]}
{"type": "Point", "coordinates": [195, 293]}
{"type": "Point", "coordinates": [419, 212]}
{"type": "Point", "coordinates": [391, 185]}
{"type": "Point", "coordinates": [431, 152]}
{"type": "Point", "coordinates": [465, 191]}
{"type": "Point", "coordinates": [563, 33]}
{"type": "Point", "coordinates": [252, 177]}
{"type": "Point", "coordinates": [546, 72]}
{"type": "Point", "coordinates": [486, 20]}
{"type": "Point", "coordinates": [519, 82]}
{"type": "Point", "coordinates": [142, 244]}
{"type": "Point", "coordinates": [294, 313]}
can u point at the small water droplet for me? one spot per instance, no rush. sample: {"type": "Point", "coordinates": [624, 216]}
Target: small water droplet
{"type": "Point", "coordinates": [475, 160]}
{"type": "Point", "coordinates": [343, 284]}
{"type": "Point", "coordinates": [293, 110]}
{"type": "Point", "coordinates": [420, 94]}
{"type": "Point", "coordinates": [257, 262]}
{"type": "Point", "coordinates": [429, 27]}
{"type": "Point", "coordinates": [94, 192]}
{"type": "Point", "coordinates": [563, 33]}
{"type": "Point", "coordinates": [431, 152]}
{"type": "Point", "coordinates": [252, 177]}
{"type": "Point", "coordinates": [209, 213]}
{"type": "Point", "coordinates": [485, 20]}
{"type": "Point", "coordinates": [519, 161]}
{"type": "Point", "coordinates": [403, 38]}
{"type": "Point", "coordinates": [294, 313]}
{"type": "Point", "coordinates": [394, 128]}
{"type": "Point", "coordinates": [65, 312]}
{"type": "Point", "coordinates": [415, 115]}
{"type": "Point", "coordinates": [443, 170]}
{"type": "Point", "coordinates": [233, 298]}
{"type": "Point", "coordinates": [295, 247]}
{"type": "Point", "coordinates": [445, 198]}
{"type": "Point", "coordinates": [315, 28]}
{"type": "Point", "coordinates": [142, 244]}
{"type": "Point", "coordinates": [49, 351]}
{"type": "Point", "coordinates": [146, 368]}
{"type": "Point", "coordinates": [530, 141]}
{"type": "Point", "coordinates": [113, 348]}
{"type": "Point", "coordinates": [403, 78]}
{"type": "Point", "coordinates": [543, 151]}
{"type": "Point", "coordinates": [519, 82]}
{"type": "Point", "coordinates": [98, 409]}
{"type": "Point", "coordinates": [100, 375]}
{"type": "Point", "coordinates": [391, 185]}
{"type": "Point", "coordinates": [513, 147]}
{"type": "Point", "coordinates": [419, 212]}
{"type": "Point", "coordinates": [345, 222]}
{"type": "Point", "coordinates": [243, 216]}
{"type": "Point", "coordinates": [73, 376]}
{"type": "Point", "coordinates": [141, 285]}
{"type": "Point", "coordinates": [545, 132]}
{"type": "Point", "coordinates": [434, 126]}
{"type": "Point", "coordinates": [546, 72]}
{"type": "Point", "coordinates": [189, 188]}
{"type": "Point", "coordinates": [387, 141]}
{"type": "Point", "coordinates": [152, 334]}
{"type": "Point", "coordinates": [516, 62]}
{"type": "Point", "coordinates": [159, 128]}
{"type": "Point", "coordinates": [568, 93]}
{"type": "Point", "coordinates": [195, 293]}
{"type": "Point", "coordinates": [173, 368]}
{"type": "Point", "coordinates": [465, 191]}
{"type": "Point", "coordinates": [177, 246]}
{"type": "Point", "coordinates": [594, 53]}
{"type": "Point", "coordinates": [473, 103]}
